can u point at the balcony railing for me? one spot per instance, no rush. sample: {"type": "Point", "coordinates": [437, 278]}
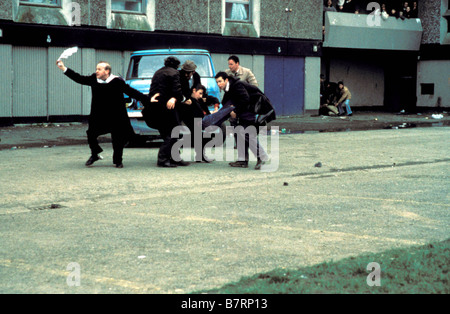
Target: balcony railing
{"type": "Point", "coordinates": [361, 31]}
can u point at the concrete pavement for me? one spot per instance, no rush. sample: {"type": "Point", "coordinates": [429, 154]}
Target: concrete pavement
{"type": "Point", "coordinates": [143, 229]}
{"type": "Point", "coordinates": [51, 134]}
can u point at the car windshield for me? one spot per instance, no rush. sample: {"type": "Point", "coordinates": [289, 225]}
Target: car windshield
{"type": "Point", "coordinates": [144, 67]}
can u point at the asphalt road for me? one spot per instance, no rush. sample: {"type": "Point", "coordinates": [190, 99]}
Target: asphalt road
{"type": "Point", "coordinates": [65, 228]}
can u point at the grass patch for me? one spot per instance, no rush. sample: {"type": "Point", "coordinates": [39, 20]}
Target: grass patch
{"type": "Point", "coordinates": [415, 270]}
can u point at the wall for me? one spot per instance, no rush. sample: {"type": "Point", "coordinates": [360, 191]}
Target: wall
{"type": "Point", "coordinates": [6, 10]}
{"type": "Point", "coordinates": [427, 74]}
{"type": "Point", "coordinates": [312, 83]}
{"type": "Point", "coordinates": [305, 20]}
{"type": "Point", "coordinates": [194, 16]}
{"type": "Point", "coordinates": [6, 81]}
{"type": "Point", "coordinates": [25, 45]}
{"type": "Point", "coordinates": [197, 16]}
{"type": "Point", "coordinates": [364, 78]}
{"type": "Point", "coordinates": [32, 86]}
{"type": "Point", "coordinates": [430, 13]}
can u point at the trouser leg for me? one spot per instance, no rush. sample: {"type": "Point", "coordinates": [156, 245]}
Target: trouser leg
{"type": "Point", "coordinates": [165, 150]}
{"type": "Point", "coordinates": [347, 107]}
{"type": "Point", "coordinates": [118, 143]}
{"type": "Point", "coordinates": [242, 146]}
{"type": "Point", "coordinates": [256, 148]}
{"type": "Point", "coordinates": [93, 143]}
{"type": "Point", "coordinates": [248, 139]}
{"type": "Point", "coordinates": [333, 109]}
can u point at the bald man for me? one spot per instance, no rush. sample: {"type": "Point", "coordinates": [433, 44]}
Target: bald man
{"type": "Point", "coordinates": [108, 109]}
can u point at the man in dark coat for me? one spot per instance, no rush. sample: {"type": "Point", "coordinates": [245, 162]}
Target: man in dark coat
{"type": "Point", "coordinates": [189, 78]}
{"type": "Point", "coordinates": [108, 109]}
{"type": "Point", "coordinates": [164, 115]}
{"type": "Point", "coordinates": [243, 97]}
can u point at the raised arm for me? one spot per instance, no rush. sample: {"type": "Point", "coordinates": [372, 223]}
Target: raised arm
{"type": "Point", "coordinates": [80, 79]}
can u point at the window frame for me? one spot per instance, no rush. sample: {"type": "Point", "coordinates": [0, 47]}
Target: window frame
{"type": "Point", "coordinates": [58, 3]}
{"type": "Point", "coordinates": [248, 3]}
{"type": "Point", "coordinates": [143, 8]}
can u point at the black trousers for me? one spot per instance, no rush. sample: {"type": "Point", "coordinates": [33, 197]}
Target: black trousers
{"type": "Point", "coordinates": [118, 143]}
{"type": "Point", "coordinates": [165, 150]}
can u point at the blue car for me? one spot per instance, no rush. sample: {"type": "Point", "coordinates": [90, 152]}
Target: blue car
{"type": "Point", "coordinates": [143, 64]}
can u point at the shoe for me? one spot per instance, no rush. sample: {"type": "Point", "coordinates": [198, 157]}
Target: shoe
{"type": "Point", "coordinates": [119, 165]}
{"type": "Point", "coordinates": [166, 164]}
{"type": "Point", "coordinates": [259, 163]}
{"type": "Point", "coordinates": [93, 159]}
{"type": "Point", "coordinates": [239, 164]}
{"type": "Point", "coordinates": [350, 114]}
{"type": "Point", "coordinates": [180, 163]}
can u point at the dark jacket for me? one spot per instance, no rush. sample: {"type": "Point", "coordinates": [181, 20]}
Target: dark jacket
{"type": "Point", "coordinates": [108, 110]}
{"type": "Point", "coordinates": [185, 88]}
{"type": "Point", "coordinates": [331, 92]}
{"type": "Point", "coordinates": [243, 96]}
{"type": "Point", "coordinates": [210, 101]}
{"type": "Point", "coordinates": [165, 81]}
{"type": "Point", "coordinates": [187, 113]}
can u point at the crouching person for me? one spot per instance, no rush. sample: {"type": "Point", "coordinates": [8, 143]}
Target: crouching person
{"type": "Point", "coordinates": [242, 96]}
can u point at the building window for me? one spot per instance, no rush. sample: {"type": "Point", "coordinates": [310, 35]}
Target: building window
{"type": "Point", "coordinates": [238, 10]}
{"type": "Point", "coordinates": [447, 17]}
{"type": "Point", "coordinates": [43, 2]}
{"type": "Point", "coordinates": [135, 6]}
{"type": "Point", "coordinates": [427, 89]}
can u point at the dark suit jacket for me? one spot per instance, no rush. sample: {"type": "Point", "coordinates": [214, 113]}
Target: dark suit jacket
{"type": "Point", "coordinates": [185, 83]}
{"type": "Point", "coordinates": [243, 96]}
{"type": "Point", "coordinates": [165, 81]}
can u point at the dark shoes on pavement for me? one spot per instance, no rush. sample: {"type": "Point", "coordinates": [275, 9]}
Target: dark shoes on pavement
{"type": "Point", "coordinates": [259, 164]}
{"type": "Point", "coordinates": [166, 164]}
{"type": "Point", "coordinates": [97, 157]}
{"type": "Point", "coordinates": [173, 164]}
{"type": "Point", "coordinates": [93, 159]}
{"type": "Point", "coordinates": [244, 164]}
{"type": "Point", "coordinates": [180, 163]}
{"type": "Point", "coordinates": [239, 164]}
